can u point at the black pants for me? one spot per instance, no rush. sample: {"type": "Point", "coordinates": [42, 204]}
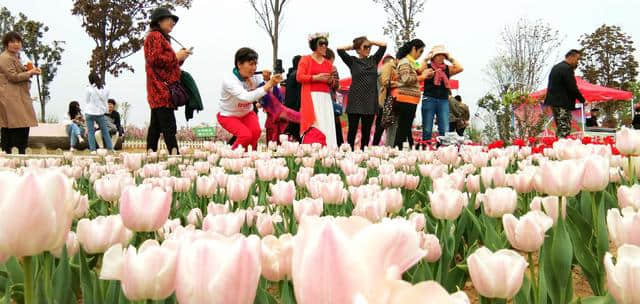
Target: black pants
{"type": "Point", "coordinates": [163, 121]}
{"type": "Point", "coordinates": [15, 137]}
{"type": "Point", "coordinates": [454, 127]}
{"type": "Point", "coordinates": [354, 123]}
{"type": "Point", "coordinates": [339, 137]}
{"type": "Point", "coordinates": [406, 113]}
{"type": "Point", "coordinates": [377, 135]}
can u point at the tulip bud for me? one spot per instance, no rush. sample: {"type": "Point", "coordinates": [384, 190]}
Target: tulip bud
{"type": "Point", "coordinates": [527, 234]}
{"type": "Point", "coordinates": [622, 278]}
{"type": "Point", "coordinates": [486, 267]}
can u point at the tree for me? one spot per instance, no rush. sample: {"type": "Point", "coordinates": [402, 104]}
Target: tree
{"type": "Point", "coordinates": [608, 60]}
{"type": "Point", "coordinates": [524, 53]}
{"type": "Point", "coordinates": [45, 56]}
{"type": "Point", "coordinates": [125, 109]}
{"type": "Point", "coordinates": [402, 19]}
{"type": "Point", "coordinates": [117, 28]}
{"type": "Point", "coordinates": [269, 16]}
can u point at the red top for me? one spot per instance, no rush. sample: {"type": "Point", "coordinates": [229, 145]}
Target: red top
{"type": "Point", "coordinates": [319, 68]}
{"type": "Point", "coordinates": [162, 67]}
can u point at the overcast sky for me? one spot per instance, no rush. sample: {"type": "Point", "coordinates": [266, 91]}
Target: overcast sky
{"type": "Point", "coordinates": [217, 28]}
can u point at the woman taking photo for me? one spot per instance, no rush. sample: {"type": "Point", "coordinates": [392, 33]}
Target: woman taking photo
{"type": "Point", "coordinates": [162, 65]}
{"type": "Point", "coordinates": [437, 90]}
{"type": "Point", "coordinates": [410, 75]}
{"type": "Point", "coordinates": [363, 94]}
{"type": "Point", "coordinates": [240, 90]}
{"type": "Point", "coordinates": [96, 98]}
{"type": "Point", "coordinates": [16, 109]}
{"type": "Point", "coordinates": [76, 129]}
{"type": "Point", "coordinates": [317, 123]}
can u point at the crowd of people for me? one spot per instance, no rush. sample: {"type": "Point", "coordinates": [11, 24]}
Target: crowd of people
{"type": "Point", "coordinates": [381, 102]}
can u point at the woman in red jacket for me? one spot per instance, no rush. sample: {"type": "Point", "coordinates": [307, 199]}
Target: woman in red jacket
{"type": "Point", "coordinates": [162, 65]}
{"type": "Point", "coordinates": [316, 109]}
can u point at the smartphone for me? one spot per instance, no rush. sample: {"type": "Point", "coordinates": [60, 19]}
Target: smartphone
{"type": "Point", "coordinates": [278, 69]}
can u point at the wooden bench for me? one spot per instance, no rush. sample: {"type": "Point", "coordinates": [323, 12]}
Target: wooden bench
{"type": "Point", "coordinates": [54, 136]}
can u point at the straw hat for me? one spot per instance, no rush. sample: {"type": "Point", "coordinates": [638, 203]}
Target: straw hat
{"type": "Point", "coordinates": [437, 50]}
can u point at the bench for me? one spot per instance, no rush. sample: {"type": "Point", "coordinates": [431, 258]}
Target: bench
{"type": "Point", "coordinates": [54, 136]}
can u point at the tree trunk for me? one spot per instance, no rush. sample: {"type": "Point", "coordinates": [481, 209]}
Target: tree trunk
{"type": "Point", "coordinates": [276, 32]}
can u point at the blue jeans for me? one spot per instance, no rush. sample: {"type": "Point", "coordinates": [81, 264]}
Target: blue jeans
{"type": "Point", "coordinates": [434, 107]}
{"type": "Point", "coordinates": [74, 131]}
{"type": "Point", "coordinates": [104, 128]}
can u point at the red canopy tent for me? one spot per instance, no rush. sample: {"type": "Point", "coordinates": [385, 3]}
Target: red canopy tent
{"type": "Point", "coordinates": [592, 94]}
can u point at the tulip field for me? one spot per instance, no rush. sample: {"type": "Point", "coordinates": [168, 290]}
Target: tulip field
{"type": "Point", "coordinates": [291, 223]}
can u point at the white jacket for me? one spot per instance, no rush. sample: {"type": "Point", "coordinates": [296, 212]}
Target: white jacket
{"type": "Point", "coordinates": [96, 100]}
{"type": "Point", "coordinates": [236, 98]}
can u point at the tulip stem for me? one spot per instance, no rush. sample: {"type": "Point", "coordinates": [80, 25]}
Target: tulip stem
{"type": "Point", "coordinates": [28, 280]}
{"type": "Point", "coordinates": [534, 278]}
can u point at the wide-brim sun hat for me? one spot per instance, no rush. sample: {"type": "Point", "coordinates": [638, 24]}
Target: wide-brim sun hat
{"type": "Point", "coordinates": [438, 50]}
{"type": "Point", "coordinates": [161, 13]}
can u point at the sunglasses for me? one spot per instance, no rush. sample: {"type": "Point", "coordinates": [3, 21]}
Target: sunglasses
{"type": "Point", "coordinates": [323, 43]}
{"type": "Point", "coordinates": [367, 47]}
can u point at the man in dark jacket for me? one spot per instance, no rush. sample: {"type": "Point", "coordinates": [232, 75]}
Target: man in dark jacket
{"type": "Point", "coordinates": [292, 98]}
{"type": "Point", "coordinates": [592, 122]}
{"type": "Point", "coordinates": [562, 92]}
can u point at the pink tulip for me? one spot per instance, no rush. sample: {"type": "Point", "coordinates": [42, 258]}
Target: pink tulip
{"type": "Point", "coordinates": [81, 205]}
{"type": "Point", "coordinates": [308, 162]}
{"type": "Point", "coordinates": [392, 198]}
{"type": "Point", "coordinates": [615, 175]}
{"type": "Point", "coordinates": [132, 162]}
{"type": "Point", "coordinates": [356, 179]}
{"type": "Point", "coordinates": [144, 208]}
{"type": "Point", "coordinates": [430, 292]}
{"type": "Point", "coordinates": [206, 186]}
{"type": "Point", "coordinates": [496, 275]}
{"type": "Point", "coordinates": [337, 260]}
{"type": "Point", "coordinates": [97, 235]}
{"type": "Point", "coordinates": [225, 224]}
{"type": "Point", "coordinates": [447, 205]}
{"type": "Point", "coordinates": [550, 206]}
{"type": "Point", "coordinates": [625, 228]}
{"type": "Point", "coordinates": [146, 273]}
{"type": "Point", "coordinates": [493, 177]}
{"type": "Point", "coordinates": [195, 217]}
{"type": "Point", "coordinates": [561, 178]}
{"type": "Point", "coordinates": [202, 167]}
{"type": "Point", "coordinates": [36, 211]}
{"type": "Point", "coordinates": [418, 220]}
{"type": "Point", "coordinates": [168, 228]}
{"type": "Point", "coordinates": [628, 141]}
{"type": "Point", "coordinates": [307, 207]}
{"type": "Point", "coordinates": [527, 234]}
{"type": "Point", "coordinates": [282, 193]}
{"type": "Point", "coordinates": [522, 182]}
{"type": "Point", "coordinates": [374, 210]}
{"type": "Point", "coordinates": [217, 209]}
{"type": "Point", "coordinates": [276, 257]}
{"type": "Point", "coordinates": [348, 167]}
{"type": "Point", "coordinates": [182, 184]}
{"type": "Point", "coordinates": [238, 188]}
{"type": "Point", "coordinates": [596, 173]}
{"type": "Point", "coordinates": [229, 268]}
{"type": "Point", "coordinates": [281, 173]}
{"type": "Point", "coordinates": [629, 196]}
{"type": "Point", "coordinates": [473, 183]}
{"type": "Point", "coordinates": [265, 223]}
{"type": "Point", "coordinates": [623, 278]}
{"type": "Point", "coordinates": [631, 169]}
{"type": "Point", "coordinates": [265, 170]}
{"type": "Point", "coordinates": [303, 176]}
{"type": "Point", "coordinates": [499, 201]}
{"type": "Point", "coordinates": [411, 182]}
{"type": "Point", "coordinates": [448, 155]}
{"type": "Point", "coordinates": [480, 159]}
{"type": "Point", "coordinates": [431, 244]}
{"type": "Point", "coordinates": [363, 192]}
{"type": "Point", "coordinates": [71, 244]}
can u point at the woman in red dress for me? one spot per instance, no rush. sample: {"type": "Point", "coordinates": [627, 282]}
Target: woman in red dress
{"type": "Point", "coordinates": [316, 110]}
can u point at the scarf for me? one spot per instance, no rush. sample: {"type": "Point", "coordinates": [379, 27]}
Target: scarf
{"type": "Point", "coordinates": [414, 63]}
{"type": "Point", "coordinates": [440, 75]}
{"type": "Point", "coordinates": [248, 81]}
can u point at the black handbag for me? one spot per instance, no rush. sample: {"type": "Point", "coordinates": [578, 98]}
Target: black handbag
{"type": "Point", "coordinates": [388, 117]}
{"type": "Point", "coordinates": [178, 94]}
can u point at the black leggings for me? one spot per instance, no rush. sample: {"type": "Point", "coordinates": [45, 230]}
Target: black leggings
{"type": "Point", "coordinates": [339, 137]}
{"type": "Point", "coordinates": [14, 137]}
{"type": "Point", "coordinates": [354, 122]}
{"type": "Point", "coordinates": [406, 113]}
{"type": "Point", "coordinates": [377, 135]}
{"type": "Point", "coordinates": [163, 120]}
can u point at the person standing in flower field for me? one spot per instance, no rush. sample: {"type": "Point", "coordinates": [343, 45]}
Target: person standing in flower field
{"type": "Point", "coordinates": [562, 92]}
{"type": "Point", "coordinates": [16, 111]}
{"type": "Point", "coordinates": [163, 68]}
{"type": "Point", "coordinates": [363, 93]}
{"type": "Point", "coordinates": [338, 107]}
{"type": "Point", "coordinates": [410, 75]}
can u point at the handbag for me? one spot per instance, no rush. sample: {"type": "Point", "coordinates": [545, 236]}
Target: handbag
{"type": "Point", "coordinates": [178, 94]}
{"type": "Point", "coordinates": [388, 117]}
